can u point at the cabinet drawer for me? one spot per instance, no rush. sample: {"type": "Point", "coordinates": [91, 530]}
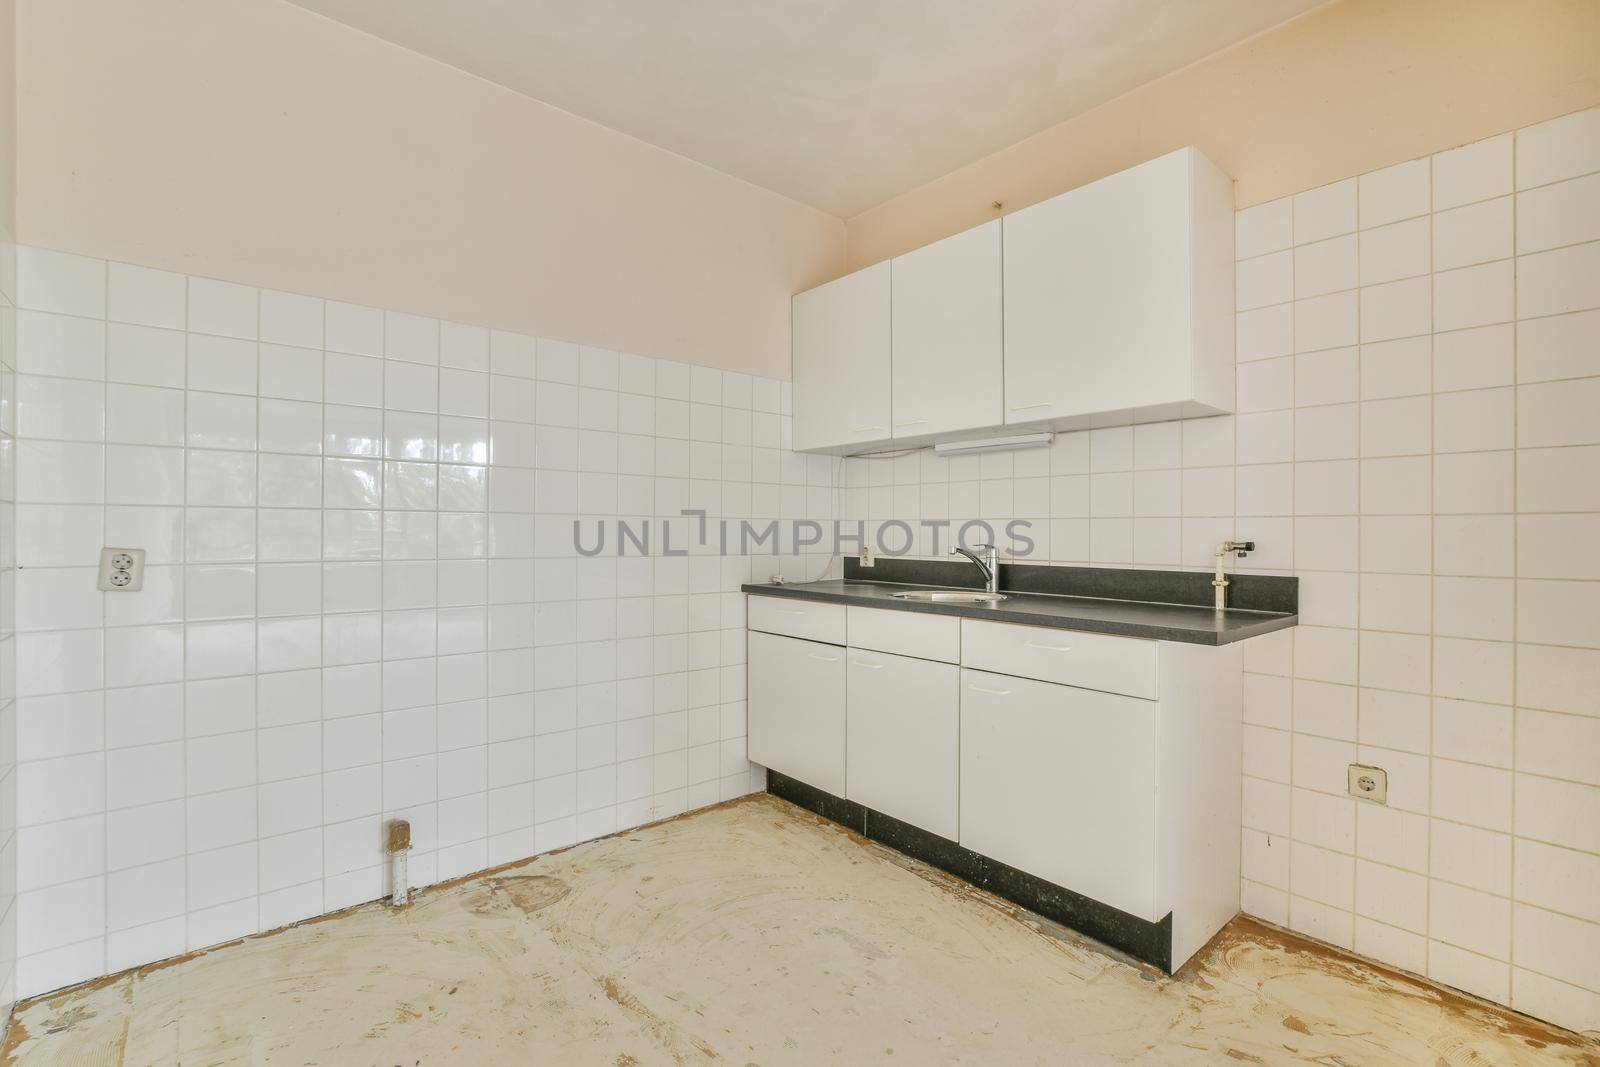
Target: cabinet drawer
{"type": "Point", "coordinates": [906, 633]}
{"type": "Point", "coordinates": [805, 619]}
{"type": "Point", "coordinates": [1070, 657]}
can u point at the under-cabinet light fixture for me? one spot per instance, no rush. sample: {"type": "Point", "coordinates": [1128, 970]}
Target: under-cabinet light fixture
{"type": "Point", "coordinates": [993, 444]}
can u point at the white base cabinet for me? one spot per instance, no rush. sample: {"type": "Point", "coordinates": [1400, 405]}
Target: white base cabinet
{"type": "Point", "coordinates": [796, 709]}
{"type": "Point", "coordinates": [902, 736]}
{"type": "Point", "coordinates": [1061, 783]}
{"type": "Point", "coordinates": [1109, 766]}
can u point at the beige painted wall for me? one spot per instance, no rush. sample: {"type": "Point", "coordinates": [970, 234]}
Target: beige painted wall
{"type": "Point", "coordinates": [254, 141]}
{"type": "Point", "coordinates": [8, 115]}
{"type": "Point", "coordinates": [1345, 89]}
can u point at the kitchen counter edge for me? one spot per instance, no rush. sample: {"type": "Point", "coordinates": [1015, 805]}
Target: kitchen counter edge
{"type": "Point", "coordinates": [1183, 623]}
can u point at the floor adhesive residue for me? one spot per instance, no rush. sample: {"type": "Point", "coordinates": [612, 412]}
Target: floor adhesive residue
{"type": "Point", "coordinates": [753, 933]}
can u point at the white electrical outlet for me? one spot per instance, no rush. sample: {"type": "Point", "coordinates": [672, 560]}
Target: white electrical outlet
{"type": "Point", "coordinates": [1369, 783]}
{"type": "Point", "coordinates": [121, 569]}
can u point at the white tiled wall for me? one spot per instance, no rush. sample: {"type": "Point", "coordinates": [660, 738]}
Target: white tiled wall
{"type": "Point", "coordinates": [361, 600]}
{"type": "Point", "coordinates": [1418, 438]}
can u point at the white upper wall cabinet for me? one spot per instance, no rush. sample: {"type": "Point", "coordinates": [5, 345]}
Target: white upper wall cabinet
{"type": "Point", "coordinates": [841, 361]}
{"type": "Point", "coordinates": [1119, 298]}
{"type": "Point", "coordinates": [946, 371]}
{"type": "Point", "coordinates": [1106, 305]}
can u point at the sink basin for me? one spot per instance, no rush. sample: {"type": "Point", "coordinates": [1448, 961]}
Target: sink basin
{"type": "Point", "coordinates": [949, 596]}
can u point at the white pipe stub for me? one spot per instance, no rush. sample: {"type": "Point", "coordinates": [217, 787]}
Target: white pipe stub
{"type": "Point", "coordinates": [398, 848]}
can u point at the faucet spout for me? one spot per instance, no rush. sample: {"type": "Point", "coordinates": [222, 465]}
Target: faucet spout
{"type": "Point", "coordinates": [988, 563]}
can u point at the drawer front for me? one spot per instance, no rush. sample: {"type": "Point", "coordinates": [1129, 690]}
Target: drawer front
{"type": "Point", "coordinates": [1070, 657]}
{"type": "Point", "coordinates": [906, 633]}
{"type": "Point", "coordinates": [796, 709]}
{"type": "Point", "coordinates": [808, 620]}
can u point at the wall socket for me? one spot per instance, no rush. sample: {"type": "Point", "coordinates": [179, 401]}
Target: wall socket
{"type": "Point", "coordinates": [1369, 783]}
{"type": "Point", "coordinates": [866, 555]}
{"type": "Point", "coordinates": [121, 570]}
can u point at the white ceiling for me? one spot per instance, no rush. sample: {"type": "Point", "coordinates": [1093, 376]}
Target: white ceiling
{"type": "Point", "coordinates": [837, 103]}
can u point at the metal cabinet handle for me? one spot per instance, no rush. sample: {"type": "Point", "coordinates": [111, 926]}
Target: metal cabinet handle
{"type": "Point", "coordinates": [791, 611]}
{"type": "Point", "coordinates": [991, 692]}
{"type": "Point", "coordinates": [1047, 648]}
{"type": "Point", "coordinates": [869, 666]}
{"type": "Point", "coordinates": [913, 422]}
{"type": "Point", "coordinates": [864, 429]}
{"type": "Point", "coordinates": [1029, 407]}
{"type": "Point", "coordinates": [825, 659]}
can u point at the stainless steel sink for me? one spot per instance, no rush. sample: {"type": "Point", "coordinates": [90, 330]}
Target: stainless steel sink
{"type": "Point", "coordinates": [949, 596]}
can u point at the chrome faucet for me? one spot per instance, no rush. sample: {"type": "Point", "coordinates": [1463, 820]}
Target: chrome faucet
{"type": "Point", "coordinates": [988, 563]}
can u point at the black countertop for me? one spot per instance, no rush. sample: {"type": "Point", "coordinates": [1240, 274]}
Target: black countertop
{"type": "Point", "coordinates": [1151, 619]}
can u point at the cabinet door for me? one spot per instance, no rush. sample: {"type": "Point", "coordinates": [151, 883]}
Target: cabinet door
{"type": "Point", "coordinates": [1097, 301]}
{"type": "Point", "coordinates": [903, 728]}
{"type": "Point", "coordinates": [1060, 782]}
{"type": "Point", "coordinates": [795, 707]}
{"type": "Point", "coordinates": [946, 336]}
{"type": "Point", "coordinates": [841, 361]}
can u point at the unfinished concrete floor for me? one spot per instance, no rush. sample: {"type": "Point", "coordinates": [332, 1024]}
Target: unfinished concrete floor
{"type": "Point", "coordinates": [751, 933]}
